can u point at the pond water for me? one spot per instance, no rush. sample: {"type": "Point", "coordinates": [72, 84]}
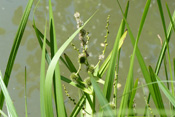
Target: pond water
{"type": "Point", "coordinates": [29, 53]}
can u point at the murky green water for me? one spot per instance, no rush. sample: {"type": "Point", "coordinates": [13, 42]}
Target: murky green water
{"type": "Point", "coordinates": [29, 52]}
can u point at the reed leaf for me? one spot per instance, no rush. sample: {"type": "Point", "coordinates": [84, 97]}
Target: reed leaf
{"type": "Point", "coordinates": [25, 89]}
{"type": "Point", "coordinates": [165, 32]}
{"type": "Point", "coordinates": [42, 75]}
{"type": "Point", "coordinates": [57, 87]}
{"type": "Point", "coordinates": [139, 56]}
{"type": "Point", "coordinates": [158, 96]}
{"type": "Point", "coordinates": [3, 114]}
{"type": "Point", "coordinates": [111, 70]}
{"type": "Point", "coordinates": [164, 47]}
{"type": "Point", "coordinates": [9, 103]}
{"type": "Point", "coordinates": [169, 14]}
{"type": "Point", "coordinates": [15, 47]}
{"type": "Point", "coordinates": [78, 106]}
{"type": "Point", "coordinates": [130, 112]}
{"type": "Point", "coordinates": [69, 63]}
{"type": "Point", "coordinates": [40, 36]}
{"type": "Point", "coordinates": [101, 98]}
{"type": "Point", "coordinates": [166, 91]}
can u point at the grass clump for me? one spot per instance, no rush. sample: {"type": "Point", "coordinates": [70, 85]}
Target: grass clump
{"type": "Point", "coordinates": [88, 86]}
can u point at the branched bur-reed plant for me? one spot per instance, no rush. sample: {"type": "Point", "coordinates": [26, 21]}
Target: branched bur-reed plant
{"type": "Point", "coordinates": [89, 86]}
{"type": "Point", "coordinates": [51, 87]}
{"type": "Point", "coordinates": [94, 71]}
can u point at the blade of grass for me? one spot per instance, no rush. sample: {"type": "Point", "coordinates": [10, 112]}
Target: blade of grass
{"type": "Point", "coordinates": [26, 92]}
{"type": "Point", "coordinates": [165, 32]}
{"type": "Point", "coordinates": [101, 98]}
{"type": "Point", "coordinates": [78, 106]}
{"type": "Point", "coordinates": [166, 71]}
{"type": "Point", "coordinates": [139, 57]}
{"type": "Point", "coordinates": [51, 68]}
{"type": "Point", "coordinates": [3, 114]}
{"type": "Point", "coordinates": [104, 66]}
{"type": "Point", "coordinates": [113, 60]}
{"type": "Point", "coordinates": [157, 93]}
{"type": "Point", "coordinates": [69, 63]}
{"type": "Point", "coordinates": [166, 91]}
{"type": "Point", "coordinates": [42, 76]}
{"type": "Point", "coordinates": [174, 67]}
{"type": "Point", "coordinates": [130, 112]}
{"type": "Point", "coordinates": [9, 103]}
{"type": "Point", "coordinates": [57, 87]}
{"type": "Point", "coordinates": [111, 70]}
{"type": "Point", "coordinates": [169, 14]}
{"type": "Point", "coordinates": [39, 37]}
{"type": "Point", "coordinates": [118, 60]}
{"type": "Point", "coordinates": [163, 49]}
{"type": "Point", "coordinates": [15, 47]}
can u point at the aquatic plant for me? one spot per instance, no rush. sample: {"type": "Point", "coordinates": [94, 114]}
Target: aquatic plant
{"type": "Point", "coordinates": [90, 90]}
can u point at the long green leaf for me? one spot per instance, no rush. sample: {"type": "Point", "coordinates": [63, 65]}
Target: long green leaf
{"type": "Point", "coordinates": [111, 71]}
{"type": "Point", "coordinates": [57, 87]}
{"type": "Point", "coordinates": [142, 64]}
{"type": "Point", "coordinates": [51, 68]}
{"type": "Point", "coordinates": [101, 98]}
{"type": "Point", "coordinates": [69, 63]}
{"type": "Point", "coordinates": [105, 64]}
{"type": "Point", "coordinates": [25, 89]}
{"type": "Point", "coordinates": [40, 36]}
{"type": "Point", "coordinates": [15, 47]}
{"type": "Point", "coordinates": [42, 76]}
{"type": "Point", "coordinates": [164, 47]}
{"type": "Point", "coordinates": [10, 106]}
{"type": "Point", "coordinates": [166, 91]}
{"type": "Point", "coordinates": [157, 93]}
{"type": "Point", "coordinates": [78, 106]}
{"type": "Point", "coordinates": [169, 14]}
{"type": "Point", "coordinates": [165, 32]}
{"type": "Point", "coordinates": [139, 57]}
{"type": "Point", "coordinates": [130, 112]}
{"type": "Point", "coordinates": [3, 114]}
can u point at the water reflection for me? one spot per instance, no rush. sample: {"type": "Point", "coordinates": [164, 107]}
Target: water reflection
{"type": "Point", "coordinates": [17, 13]}
{"type": "Point", "coordinates": [2, 31]}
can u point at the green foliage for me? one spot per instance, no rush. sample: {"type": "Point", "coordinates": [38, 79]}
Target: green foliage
{"type": "Point", "coordinates": [10, 107]}
{"type": "Point", "coordinates": [15, 47]}
{"type": "Point", "coordinates": [51, 80]}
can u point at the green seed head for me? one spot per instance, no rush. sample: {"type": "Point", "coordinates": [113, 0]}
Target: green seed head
{"type": "Point", "coordinates": [74, 76]}
{"type": "Point", "coordinates": [91, 69]}
{"type": "Point", "coordinates": [82, 58]}
{"type": "Point", "coordinates": [112, 105]}
{"type": "Point", "coordinates": [87, 82]}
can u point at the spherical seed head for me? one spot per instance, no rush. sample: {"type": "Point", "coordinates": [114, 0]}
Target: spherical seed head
{"type": "Point", "coordinates": [77, 15]}
{"type": "Point", "coordinates": [87, 81]}
{"type": "Point", "coordinates": [82, 58]}
{"type": "Point", "coordinates": [112, 105]}
{"type": "Point", "coordinates": [91, 69]}
{"type": "Point", "coordinates": [73, 76]}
